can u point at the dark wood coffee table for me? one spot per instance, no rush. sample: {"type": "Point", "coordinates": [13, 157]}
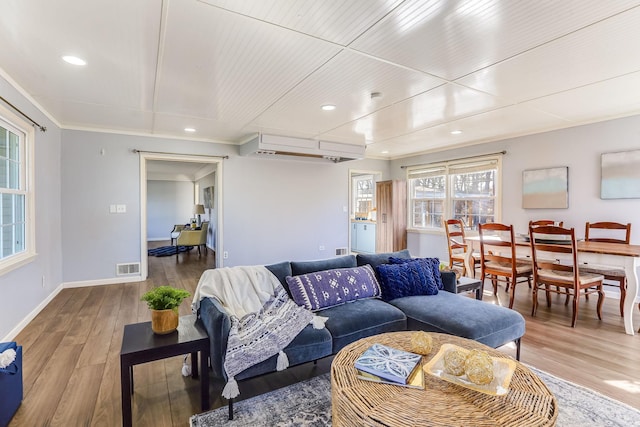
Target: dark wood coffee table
{"type": "Point", "coordinates": [141, 345]}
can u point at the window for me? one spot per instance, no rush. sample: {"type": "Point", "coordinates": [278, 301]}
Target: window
{"type": "Point", "coordinates": [16, 229]}
{"type": "Point", "coordinates": [466, 190]}
{"type": "Point", "coordinates": [363, 195]}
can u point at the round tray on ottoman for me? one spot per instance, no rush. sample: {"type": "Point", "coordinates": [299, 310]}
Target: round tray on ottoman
{"type": "Point", "coordinates": [356, 402]}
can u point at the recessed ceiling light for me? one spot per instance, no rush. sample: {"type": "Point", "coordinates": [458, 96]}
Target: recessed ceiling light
{"type": "Point", "coordinates": [189, 130]}
{"type": "Point", "coordinates": [328, 107]}
{"type": "Point", "coordinates": [456, 132]}
{"type": "Point", "coordinates": [385, 152]}
{"type": "Point", "coordinates": [74, 60]}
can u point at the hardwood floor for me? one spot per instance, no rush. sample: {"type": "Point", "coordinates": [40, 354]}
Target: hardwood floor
{"type": "Point", "coordinates": [72, 370]}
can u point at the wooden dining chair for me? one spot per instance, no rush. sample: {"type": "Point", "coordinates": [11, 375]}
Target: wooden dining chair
{"type": "Point", "coordinates": [498, 258]}
{"type": "Point", "coordinates": [540, 222]}
{"type": "Point", "coordinates": [610, 232]}
{"type": "Point", "coordinates": [567, 277]}
{"type": "Point", "coordinates": [458, 246]}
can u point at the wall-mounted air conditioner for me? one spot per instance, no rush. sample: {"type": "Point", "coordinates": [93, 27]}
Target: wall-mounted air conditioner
{"type": "Point", "coordinates": [301, 148]}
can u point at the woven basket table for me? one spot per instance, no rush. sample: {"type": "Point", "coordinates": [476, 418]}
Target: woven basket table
{"type": "Point", "coordinates": [356, 402]}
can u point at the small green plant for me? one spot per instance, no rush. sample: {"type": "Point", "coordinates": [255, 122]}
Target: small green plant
{"type": "Point", "coordinates": [165, 297]}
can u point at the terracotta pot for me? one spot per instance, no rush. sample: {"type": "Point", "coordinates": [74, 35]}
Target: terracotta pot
{"type": "Point", "coordinates": [164, 321]}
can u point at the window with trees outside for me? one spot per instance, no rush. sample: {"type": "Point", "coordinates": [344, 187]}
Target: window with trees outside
{"type": "Point", "coordinates": [466, 190]}
{"type": "Point", "coordinates": [16, 229]}
{"type": "Point", "coordinates": [364, 191]}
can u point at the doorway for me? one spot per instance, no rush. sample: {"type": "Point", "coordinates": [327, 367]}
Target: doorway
{"type": "Point", "coordinates": [362, 210]}
{"type": "Point", "coordinates": [217, 217]}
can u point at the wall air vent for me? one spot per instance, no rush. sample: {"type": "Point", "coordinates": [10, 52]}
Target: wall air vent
{"type": "Point", "coordinates": [301, 148]}
{"type": "Point", "coordinates": [341, 251]}
{"type": "Point", "coordinates": [128, 269]}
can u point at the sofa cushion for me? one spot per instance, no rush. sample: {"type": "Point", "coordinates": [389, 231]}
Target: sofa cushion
{"type": "Point", "coordinates": [328, 288]}
{"type": "Point", "coordinates": [430, 265]}
{"type": "Point", "coordinates": [281, 270]}
{"type": "Point", "coordinates": [375, 260]}
{"type": "Point", "coordinates": [310, 344]}
{"type": "Point", "coordinates": [401, 280]}
{"type": "Point", "coordinates": [362, 318]}
{"type": "Point", "coordinates": [454, 314]}
{"type": "Point", "coordinates": [304, 267]}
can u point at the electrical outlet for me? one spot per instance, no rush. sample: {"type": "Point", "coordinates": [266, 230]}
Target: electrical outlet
{"type": "Point", "coordinates": [321, 248]}
{"type": "Point", "coordinates": [121, 208]}
{"type": "Point", "coordinates": [225, 255]}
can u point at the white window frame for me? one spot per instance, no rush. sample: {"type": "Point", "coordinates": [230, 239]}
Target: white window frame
{"type": "Point", "coordinates": [26, 133]}
{"type": "Point", "coordinates": [354, 191]}
{"type": "Point", "coordinates": [449, 169]}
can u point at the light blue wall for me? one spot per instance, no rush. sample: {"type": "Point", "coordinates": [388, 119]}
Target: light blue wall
{"type": "Point", "coordinates": [22, 290]}
{"type": "Point", "coordinates": [168, 203]}
{"type": "Point", "coordinates": [92, 181]}
{"type": "Point", "coordinates": [273, 209]}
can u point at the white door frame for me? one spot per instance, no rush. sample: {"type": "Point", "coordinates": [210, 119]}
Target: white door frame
{"type": "Point", "coordinates": [144, 156]}
{"type": "Point", "coordinates": [377, 176]}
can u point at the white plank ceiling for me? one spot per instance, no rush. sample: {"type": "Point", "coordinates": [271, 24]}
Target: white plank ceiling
{"type": "Point", "coordinates": [231, 68]}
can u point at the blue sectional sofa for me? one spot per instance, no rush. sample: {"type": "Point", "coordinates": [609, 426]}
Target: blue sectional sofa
{"type": "Point", "coordinates": [445, 312]}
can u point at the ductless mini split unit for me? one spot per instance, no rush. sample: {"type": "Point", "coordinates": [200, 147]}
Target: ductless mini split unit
{"type": "Point", "coordinates": [301, 148]}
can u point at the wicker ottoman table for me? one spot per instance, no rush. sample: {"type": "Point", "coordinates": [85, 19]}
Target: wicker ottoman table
{"type": "Point", "coordinates": [356, 402]}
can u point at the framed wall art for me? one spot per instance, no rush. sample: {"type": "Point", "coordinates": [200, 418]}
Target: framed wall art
{"type": "Point", "coordinates": [620, 175]}
{"type": "Point", "coordinates": [545, 188]}
{"type": "Point", "coordinates": [208, 197]}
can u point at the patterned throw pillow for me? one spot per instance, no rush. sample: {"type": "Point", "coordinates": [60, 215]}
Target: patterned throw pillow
{"type": "Point", "coordinates": [405, 279]}
{"type": "Point", "coordinates": [431, 264]}
{"type": "Point", "coordinates": [328, 288]}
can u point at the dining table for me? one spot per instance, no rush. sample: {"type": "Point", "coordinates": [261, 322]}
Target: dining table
{"type": "Point", "coordinates": [600, 254]}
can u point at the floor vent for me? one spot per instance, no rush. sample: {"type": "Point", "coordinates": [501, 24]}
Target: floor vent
{"type": "Point", "coordinates": [341, 251]}
{"type": "Point", "coordinates": [128, 269]}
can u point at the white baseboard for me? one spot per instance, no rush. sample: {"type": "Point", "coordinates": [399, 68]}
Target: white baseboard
{"type": "Point", "coordinates": [24, 322]}
{"type": "Point", "coordinates": [110, 281]}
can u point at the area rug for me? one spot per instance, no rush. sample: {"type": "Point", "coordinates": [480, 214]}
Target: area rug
{"type": "Point", "coordinates": [308, 404]}
{"type": "Point", "coordinates": [168, 250]}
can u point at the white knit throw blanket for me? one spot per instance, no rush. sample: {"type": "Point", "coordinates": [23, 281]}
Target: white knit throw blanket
{"type": "Point", "coordinates": [264, 320]}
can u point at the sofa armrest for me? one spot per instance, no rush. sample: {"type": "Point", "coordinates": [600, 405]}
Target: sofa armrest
{"type": "Point", "coordinates": [449, 281]}
{"type": "Point", "coordinates": [217, 323]}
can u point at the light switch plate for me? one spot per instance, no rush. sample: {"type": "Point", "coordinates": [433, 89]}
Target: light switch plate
{"type": "Point", "coordinates": [112, 209]}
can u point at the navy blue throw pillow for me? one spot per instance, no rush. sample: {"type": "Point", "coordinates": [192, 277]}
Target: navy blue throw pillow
{"type": "Point", "coordinates": [402, 280]}
{"type": "Point", "coordinates": [430, 265]}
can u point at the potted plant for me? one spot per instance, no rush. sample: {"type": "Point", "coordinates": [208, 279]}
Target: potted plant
{"type": "Point", "coordinates": [163, 302]}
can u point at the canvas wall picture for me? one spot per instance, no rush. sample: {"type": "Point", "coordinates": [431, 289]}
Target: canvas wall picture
{"type": "Point", "coordinates": [620, 175]}
{"type": "Point", "coordinates": [208, 197]}
{"type": "Point", "coordinates": [545, 188]}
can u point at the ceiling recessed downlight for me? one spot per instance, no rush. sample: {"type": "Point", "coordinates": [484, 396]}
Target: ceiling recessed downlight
{"type": "Point", "coordinates": [456, 132]}
{"type": "Point", "coordinates": [328, 107]}
{"type": "Point", "coordinates": [74, 60]}
{"type": "Point", "coordinates": [385, 152]}
{"type": "Point", "coordinates": [189, 130]}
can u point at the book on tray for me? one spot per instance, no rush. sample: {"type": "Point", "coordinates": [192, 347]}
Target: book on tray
{"type": "Point", "coordinates": [382, 363]}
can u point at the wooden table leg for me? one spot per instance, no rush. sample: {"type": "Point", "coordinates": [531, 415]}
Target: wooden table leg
{"type": "Point", "coordinates": [126, 391]}
{"type": "Point", "coordinates": [204, 380]}
{"type": "Point", "coordinates": [194, 364]}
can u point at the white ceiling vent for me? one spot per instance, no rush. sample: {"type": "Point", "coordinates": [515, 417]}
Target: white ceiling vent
{"type": "Point", "coordinates": [301, 148]}
{"type": "Point", "coordinates": [128, 269]}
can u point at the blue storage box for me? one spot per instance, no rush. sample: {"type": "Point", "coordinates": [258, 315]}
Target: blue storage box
{"type": "Point", "coordinates": [10, 385]}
